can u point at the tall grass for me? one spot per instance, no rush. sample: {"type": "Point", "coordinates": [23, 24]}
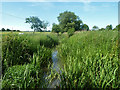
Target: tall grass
{"type": "Point", "coordinates": [90, 60]}
{"type": "Point", "coordinates": [15, 51]}
{"type": "Point", "coordinates": [48, 40]}
{"type": "Point", "coordinates": [24, 58]}
{"type": "Point", "coordinates": [22, 76]}
{"type": "Point", "coordinates": [28, 75]}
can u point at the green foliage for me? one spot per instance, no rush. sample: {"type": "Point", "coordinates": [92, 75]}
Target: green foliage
{"type": "Point", "coordinates": [69, 26]}
{"type": "Point", "coordinates": [71, 31]}
{"type": "Point", "coordinates": [36, 23]}
{"type": "Point", "coordinates": [101, 29]}
{"type": "Point", "coordinates": [30, 75]}
{"type": "Point", "coordinates": [20, 73]}
{"type": "Point", "coordinates": [48, 40]}
{"type": "Point", "coordinates": [18, 49]}
{"type": "Point", "coordinates": [8, 29]}
{"type": "Point", "coordinates": [56, 28]}
{"type": "Point", "coordinates": [109, 27]}
{"type": "Point", "coordinates": [90, 60]}
{"type": "Point", "coordinates": [42, 58]}
{"type": "Point", "coordinates": [117, 28]}
{"type": "Point", "coordinates": [68, 19]}
{"type": "Point", "coordinates": [15, 51]}
{"type": "Point", "coordinates": [95, 28]}
{"type": "Point", "coordinates": [85, 27]}
{"type": "Point", "coordinates": [3, 29]}
{"type": "Point", "coordinates": [22, 76]}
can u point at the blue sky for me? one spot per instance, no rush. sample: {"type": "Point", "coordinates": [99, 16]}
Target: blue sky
{"type": "Point", "coordinates": [91, 13]}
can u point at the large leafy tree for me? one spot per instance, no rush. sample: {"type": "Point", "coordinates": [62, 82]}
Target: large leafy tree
{"type": "Point", "coordinates": [69, 20]}
{"type": "Point", "coordinates": [36, 23]}
{"type": "Point", "coordinates": [3, 29]}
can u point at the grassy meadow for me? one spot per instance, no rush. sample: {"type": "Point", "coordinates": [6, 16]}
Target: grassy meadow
{"type": "Point", "coordinates": [89, 59]}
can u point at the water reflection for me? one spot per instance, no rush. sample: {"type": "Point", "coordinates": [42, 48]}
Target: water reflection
{"type": "Point", "coordinates": [55, 60]}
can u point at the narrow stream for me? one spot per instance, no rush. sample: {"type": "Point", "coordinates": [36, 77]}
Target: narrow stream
{"type": "Point", "coordinates": [56, 68]}
{"type": "Point", "coordinates": [55, 61]}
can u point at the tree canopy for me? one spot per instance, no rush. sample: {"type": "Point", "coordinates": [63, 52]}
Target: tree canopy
{"type": "Point", "coordinates": [85, 27]}
{"type": "Point", "coordinates": [56, 28]}
{"type": "Point", "coordinates": [3, 29]}
{"type": "Point", "coordinates": [36, 23]}
{"type": "Point", "coordinates": [69, 20]}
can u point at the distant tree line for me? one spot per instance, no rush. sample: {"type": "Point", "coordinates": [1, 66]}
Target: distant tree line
{"type": "Point", "coordinates": [108, 27]}
{"type": "Point", "coordinates": [8, 30]}
{"type": "Point", "coordinates": [69, 22]}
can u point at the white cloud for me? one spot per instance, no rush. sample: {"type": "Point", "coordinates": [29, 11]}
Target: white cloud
{"type": "Point", "coordinates": [88, 7]}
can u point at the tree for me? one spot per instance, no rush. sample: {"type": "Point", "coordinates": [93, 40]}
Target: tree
{"type": "Point", "coordinates": [85, 27]}
{"type": "Point", "coordinates": [18, 30]}
{"type": "Point", "coordinates": [95, 28]}
{"type": "Point", "coordinates": [109, 27]}
{"type": "Point", "coordinates": [14, 30]}
{"type": "Point", "coordinates": [69, 26]}
{"type": "Point", "coordinates": [3, 29]}
{"type": "Point", "coordinates": [45, 24]}
{"type": "Point", "coordinates": [8, 29]}
{"type": "Point", "coordinates": [68, 20]}
{"type": "Point", "coordinates": [117, 28]}
{"type": "Point", "coordinates": [36, 23]}
{"type": "Point", "coordinates": [56, 28]}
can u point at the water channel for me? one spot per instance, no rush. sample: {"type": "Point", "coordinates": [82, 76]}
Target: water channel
{"type": "Point", "coordinates": [56, 67]}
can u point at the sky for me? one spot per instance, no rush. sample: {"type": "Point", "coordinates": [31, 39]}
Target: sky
{"type": "Point", "coordinates": [101, 14]}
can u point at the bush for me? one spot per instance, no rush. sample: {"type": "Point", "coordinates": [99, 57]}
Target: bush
{"type": "Point", "coordinates": [71, 31]}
